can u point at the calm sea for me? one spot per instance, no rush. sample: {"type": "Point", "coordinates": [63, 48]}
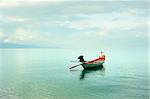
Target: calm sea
{"type": "Point", "coordinates": [45, 74]}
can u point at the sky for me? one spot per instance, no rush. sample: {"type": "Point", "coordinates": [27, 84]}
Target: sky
{"type": "Point", "coordinates": [75, 24]}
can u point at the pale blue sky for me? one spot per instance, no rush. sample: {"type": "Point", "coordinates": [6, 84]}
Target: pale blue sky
{"type": "Point", "coordinates": [88, 24]}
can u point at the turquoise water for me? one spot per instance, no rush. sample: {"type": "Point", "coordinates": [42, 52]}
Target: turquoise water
{"type": "Point", "coordinates": [45, 74]}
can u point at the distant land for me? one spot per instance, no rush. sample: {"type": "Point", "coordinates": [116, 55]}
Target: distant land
{"type": "Point", "coordinates": [13, 45]}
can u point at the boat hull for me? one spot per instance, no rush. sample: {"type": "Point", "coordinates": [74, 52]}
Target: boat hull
{"type": "Point", "coordinates": [87, 66]}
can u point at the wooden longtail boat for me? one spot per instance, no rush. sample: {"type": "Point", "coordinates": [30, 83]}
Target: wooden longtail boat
{"type": "Point", "coordinates": [91, 64]}
{"type": "Point", "coordinates": [94, 63]}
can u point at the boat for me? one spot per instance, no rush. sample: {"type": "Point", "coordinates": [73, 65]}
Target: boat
{"type": "Point", "coordinates": [94, 63]}
{"type": "Point", "coordinates": [91, 64]}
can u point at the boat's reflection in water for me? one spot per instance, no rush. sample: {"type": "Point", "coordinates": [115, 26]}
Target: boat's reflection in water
{"type": "Point", "coordinates": [100, 70]}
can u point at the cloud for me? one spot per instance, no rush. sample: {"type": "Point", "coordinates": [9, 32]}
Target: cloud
{"type": "Point", "coordinates": [20, 35]}
{"type": "Point", "coordinates": [20, 3]}
{"type": "Point", "coordinates": [121, 19]}
{"type": "Point", "coordinates": [55, 22]}
{"type": "Point", "coordinates": [1, 35]}
{"type": "Point", "coordinates": [105, 23]}
{"type": "Point", "coordinates": [6, 4]}
{"type": "Point", "coordinates": [17, 19]}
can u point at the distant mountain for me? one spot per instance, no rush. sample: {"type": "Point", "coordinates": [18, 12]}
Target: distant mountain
{"type": "Point", "coordinates": [13, 45]}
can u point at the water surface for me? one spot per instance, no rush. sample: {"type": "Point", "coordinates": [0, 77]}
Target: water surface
{"type": "Point", "coordinates": [45, 74]}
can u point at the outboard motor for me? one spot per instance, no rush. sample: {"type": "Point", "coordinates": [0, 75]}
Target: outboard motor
{"type": "Point", "coordinates": [81, 59]}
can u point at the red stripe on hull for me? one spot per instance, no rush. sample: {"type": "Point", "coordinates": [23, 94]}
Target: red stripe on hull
{"type": "Point", "coordinates": [96, 60]}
